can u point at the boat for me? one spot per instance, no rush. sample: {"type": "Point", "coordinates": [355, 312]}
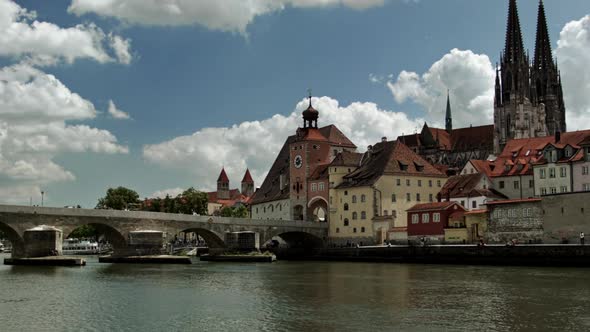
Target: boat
{"type": "Point", "coordinates": [80, 247]}
{"type": "Point", "coordinates": [1, 247]}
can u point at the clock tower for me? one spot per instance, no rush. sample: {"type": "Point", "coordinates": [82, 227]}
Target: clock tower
{"type": "Point", "coordinates": [309, 149]}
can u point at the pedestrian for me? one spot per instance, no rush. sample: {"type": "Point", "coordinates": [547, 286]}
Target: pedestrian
{"type": "Point", "coordinates": [582, 238]}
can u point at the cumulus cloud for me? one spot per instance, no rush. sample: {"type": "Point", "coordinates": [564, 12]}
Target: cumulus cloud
{"type": "Point", "coordinates": [573, 54]}
{"type": "Point", "coordinates": [468, 76]}
{"type": "Point", "coordinates": [117, 113]}
{"type": "Point", "coordinates": [34, 110]}
{"type": "Point", "coordinates": [172, 192]}
{"type": "Point", "coordinates": [255, 144]}
{"type": "Point", "coordinates": [19, 194]}
{"type": "Point", "coordinates": [224, 15]}
{"type": "Point", "coordinates": [21, 35]}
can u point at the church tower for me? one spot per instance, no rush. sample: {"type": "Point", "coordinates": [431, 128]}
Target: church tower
{"type": "Point", "coordinates": [247, 184]}
{"type": "Point", "coordinates": [448, 117]}
{"type": "Point", "coordinates": [222, 185]}
{"type": "Point", "coordinates": [528, 98]}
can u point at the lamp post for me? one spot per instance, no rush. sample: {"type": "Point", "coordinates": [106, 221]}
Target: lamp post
{"type": "Point", "coordinates": [42, 194]}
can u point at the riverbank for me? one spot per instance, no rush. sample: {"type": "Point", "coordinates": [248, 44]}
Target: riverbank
{"type": "Point", "coordinates": [519, 255]}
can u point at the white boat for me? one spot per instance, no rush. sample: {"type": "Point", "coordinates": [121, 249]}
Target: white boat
{"type": "Point", "coordinates": [79, 247]}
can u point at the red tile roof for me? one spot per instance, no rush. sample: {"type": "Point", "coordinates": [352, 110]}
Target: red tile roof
{"type": "Point", "coordinates": [476, 212]}
{"type": "Point", "coordinates": [247, 177]}
{"type": "Point", "coordinates": [461, 139]}
{"type": "Point", "coordinates": [223, 177]}
{"type": "Point", "coordinates": [435, 206]}
{"type": "Point", "coordinates": [513, 201]}
{"type": "Point", "coordinates": [336, 137]}
{"type": "Point", "coordinates": [346, 158]}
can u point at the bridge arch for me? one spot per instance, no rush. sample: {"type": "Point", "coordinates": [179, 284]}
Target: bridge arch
{"type": "Point", "coordinates": [111, 234]}
{"type": "Point", "coordinates": [16, 240]}
{"type": "Point", "coordinates": [212, 239]}
{"type": "Point", "coordinates": [300, 239]}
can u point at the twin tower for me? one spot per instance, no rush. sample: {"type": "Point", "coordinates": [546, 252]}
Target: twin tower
{"type": "Point", "coordinates": [528, 95]}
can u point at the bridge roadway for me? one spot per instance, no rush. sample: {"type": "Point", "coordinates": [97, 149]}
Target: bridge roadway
{"type": "Point", "coordinates": [116, 226]}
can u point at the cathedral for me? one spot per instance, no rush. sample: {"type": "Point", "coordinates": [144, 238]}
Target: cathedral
{"type": "Point", "coordinates": [528, 94]}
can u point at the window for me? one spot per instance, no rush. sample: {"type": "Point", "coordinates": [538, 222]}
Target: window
{"type": "Point", "coordinates": [408, 182]}
{"type": "Point", "coordinates": [415, 219]}
{"type": "Point", "coordinates": [362, 229]}
{"type": "Point", "coordinates": [417, 197]}
{"type": "Point", "coordinates": [363, 198]}
{"type": "Point", "coordinates": [563, 189]}
{"type": "Point", "coordinates": [354, 216]}
{"type": "Point", "coordinates": [345, 206]}
{"type": "Point", "coordinates": [264, 209]}
{"type": "Point", "coordinates": [408, 198]}
{"type": "Point", "coordinates": [473, 204]}
{"type": "Point", "coordinates": [314, 187]}
{"type": "Point", "coordinates": [337, 230]}
{"type": "Point", "coordinates": [354, 230]}
{"type": "Point", "coordinates": [363, 215]}
{"type": "Point", "coordinates": [585, 170]}
{"type": "Point", "coordinates": [398, 182]}
{"type": "Point", "coordinates": [346, 222]}
{"type": "Point", "coordinates": [256, 210]}
{"type": "Point", "coordinates": [438, 183]}
{"type": "Point", "coordinates": [394, 213]}
{"type": "Point", "coordinates": [430, 183]}
{"type": "Point", "coordinates": [430, 198]}
{"type": "Point", "coordinates": [385, 213]}
{"type": "Point", "coordinates": [542, 174]}
{"type": "Point", "coordinates": [543, 191]}
{"type": "Point", "coordinates": [346, 193]}
{"type": "Point", "coordinates": [321, 186]}
{"type": "Point", "coordinates": [516, 185]}
{"type": "Point", "coordinates": [586, 187]}
{"type": "Point", "coordinates": [463, 203]}
{"type": "Point", "coordinates": [552, 172]}
{"type": "Point", "coordinates": [562, 172]}
{"type": "Point", "coordinates": [419, 183]}
{"type": "Point", "coordinates": [425, 218]}
{"type": "Point", "coordinates": [553, 190]}
{"type": "Point", "coordinates": [331, 200]}
{"type": "Point", "coordinates": [354, 198]}
{"type": "Point", "coordinates": [501, 184]}
{"type": "Point", "coordinates": [393, 199]}
{"type": "Point", "coordinates": [436, 217]}
{"type": "Point", "coordinates": [271, 208]}
{"type": "Point", "coordinates": [531, 183]}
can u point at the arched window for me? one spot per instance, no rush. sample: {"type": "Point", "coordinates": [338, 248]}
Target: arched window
{"type": "Point", "coordinates": [362, 229]}
{"type": "Point", "coordinates": [354, 216]}
{"type": "Point", "coordinates": [345, 206]}
{"type": "Point", "coordinates": [345, 221]}
{"type": "Point", "coordinates": [354, 198]}
{"type": "Point", "coordinates": [271, 208]}
{"type": "Point", "coordinates": [363, 198]}
{"type": "Point", "coordinates": [363, 215]}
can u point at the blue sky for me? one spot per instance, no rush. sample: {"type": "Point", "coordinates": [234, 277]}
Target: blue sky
{"type": "Point", "coordinates": [179, 75]}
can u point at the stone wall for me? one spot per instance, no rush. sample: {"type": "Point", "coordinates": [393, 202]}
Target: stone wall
{"type": "Point", "coordinates": [520, 221]}
{"type": "Point", "coordinates": [565, 216]}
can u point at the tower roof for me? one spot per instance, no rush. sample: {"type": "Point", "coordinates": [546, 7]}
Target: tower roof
{"type": "Point", "coordinates": [247, 177]}
{"type": "Point", "coordinates": [543, 55]}
{"type": "Point", "coordinates": [448, 117]}
{"type": "Point", "coordinates": [310, 113]}
{"type": "Point", "coordinates": [222, 176]}
{"type": "Point", "coordinates": [514, 49]}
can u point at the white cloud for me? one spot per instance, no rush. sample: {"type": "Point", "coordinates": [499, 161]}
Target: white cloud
{"type": "Point", "coordinates": [468, 76]}
{"type": "Point", "coordinates": [21, 35]}
{"type": "Point", "coordinates": [255, 144]}
{"type": "Point", "coordinates": [117, 113]}
{"type": "Point", "coordinates": [172, 192]}
{"type": "Point", "coordinates": [34, 110]}
{"type": "Point", "coordinates": [573, 54]}
{"type": "Point", "coordinates": [20, 194]}
{"type": "Point", "coordinates": [224, 15]}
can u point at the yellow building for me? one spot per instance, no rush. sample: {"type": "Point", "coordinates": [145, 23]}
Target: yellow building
{"type": "Point", "coordinates": [471, 226]}
{"type": "Point", "coordinates": [370, 192]}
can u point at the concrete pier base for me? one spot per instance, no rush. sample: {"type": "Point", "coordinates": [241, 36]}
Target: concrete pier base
{"type": "Point", "coordinates": [157, 259]}
{"type": "Point", "coordinates": [46, 261]}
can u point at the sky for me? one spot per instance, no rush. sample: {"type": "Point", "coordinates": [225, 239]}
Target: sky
{"type": "Point", "coordinates": [158, 96]}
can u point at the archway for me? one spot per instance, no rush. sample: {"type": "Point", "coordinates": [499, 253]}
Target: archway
{"type": "Point", "coordinates": [317, 209]}
{"type": "Point", "coordinates": [15, 242]}
{"type": "Point", "coordinates": [298, 212]}
{"type": "Point", "coordinates": [199, 237]}
{"type": "Point", "coordinates": [108, 237]}
{"type": "Point", "coordinates": [301, 240]}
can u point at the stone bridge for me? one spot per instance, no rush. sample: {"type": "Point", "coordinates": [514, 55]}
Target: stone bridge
{"type": "Point", "coordinates": [116, 226]}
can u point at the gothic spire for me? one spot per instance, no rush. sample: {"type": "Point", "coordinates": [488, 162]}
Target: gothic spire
{"type": "Point", "coordinates": [448, 117]}
{"type": "Point", "coordinates": [514, 49]}
{"type": "Point", "coordinates": [543, 56]}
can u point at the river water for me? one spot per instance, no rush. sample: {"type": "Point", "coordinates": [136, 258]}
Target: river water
{"type": "Point", "coordinates": [292, 296]}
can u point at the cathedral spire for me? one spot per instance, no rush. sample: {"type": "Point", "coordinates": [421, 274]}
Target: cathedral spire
{"type": "Point", "coordinates": [543, 56]}
{"type": "Point", "coordinates": [448, 117]}
{"type": "Point", "coordinates": [514, 49]}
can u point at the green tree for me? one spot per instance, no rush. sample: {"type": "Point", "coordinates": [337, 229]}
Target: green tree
{"type": "Point", "coordinates": [234, 212]}
{"type": "Point", "coordinates": [84, 231]}
{"type": "Point", "coordinates": [191, 201]}
{"type": "Point", "coordinates": [226, 212]}
{"type": "Point", "coordinates": [118, 198]}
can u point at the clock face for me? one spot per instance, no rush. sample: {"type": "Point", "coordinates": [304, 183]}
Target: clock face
{"type": "Point", "coordinates": [298, 161]}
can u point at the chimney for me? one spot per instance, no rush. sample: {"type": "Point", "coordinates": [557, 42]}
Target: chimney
{"type": "Point", "coordinates": [383, 139]}
{"type": "Point", "coordinates": [557, 136]}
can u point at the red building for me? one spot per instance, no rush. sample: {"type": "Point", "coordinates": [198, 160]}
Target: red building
{"type": "Point", "coordinates": [430, 220]}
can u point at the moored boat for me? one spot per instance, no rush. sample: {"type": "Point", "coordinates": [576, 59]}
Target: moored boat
{"type": "Point", "coordinates": [80, 247]}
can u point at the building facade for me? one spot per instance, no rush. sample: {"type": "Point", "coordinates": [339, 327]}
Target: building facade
{"type": "Point", "coordinates": [519, 220]}
{"type": "Point", "coordinates": [472, 191]}
{"type": "Point", "coordinates": [430, 220]}
{"type": "Point", "coordinates": [528, 94]}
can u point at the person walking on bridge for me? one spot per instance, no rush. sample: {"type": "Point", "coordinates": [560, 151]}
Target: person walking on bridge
{"type": "Point", "coordinates": [581, 238]}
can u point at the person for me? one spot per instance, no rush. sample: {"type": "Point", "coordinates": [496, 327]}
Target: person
{"type": "Point", "coordinates": [582, 238]}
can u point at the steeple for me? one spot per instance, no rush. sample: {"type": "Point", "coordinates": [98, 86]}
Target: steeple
{"type": "Point", "coordinates": [247, 184]}
{"type": "Point", "coordinates": [310, 115]}
{"type": "Point", "coordinates": [222, 185]}
{"type": "Point", "coordinates": [448, 117]}
{"type": "Point", "coordinates": [515, 68]}
{"type": "Point", "coordinates": [543, 56]}
{"type": "Point", "coordinates": [514, 49]}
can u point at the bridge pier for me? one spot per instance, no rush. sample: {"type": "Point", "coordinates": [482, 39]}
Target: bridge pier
{"type": "Point", "coordinates": [42, 241]}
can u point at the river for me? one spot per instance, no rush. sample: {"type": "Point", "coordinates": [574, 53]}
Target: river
{"type": "Point", "coordinates": [292, 296]}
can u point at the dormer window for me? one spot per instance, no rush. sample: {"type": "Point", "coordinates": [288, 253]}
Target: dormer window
{"type": "Point", "coordinates": [568, 152]}
{"type": "Point", "coordinates": [402, 166]}
{"type": "Point", "coordinates": [419, 168]}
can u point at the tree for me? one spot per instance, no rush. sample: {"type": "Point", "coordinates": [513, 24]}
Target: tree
{"type": "Point", "coordinates": [119, 198]}
{"type": "Point", "coordinates": [192, 201]}
{"type": "Point", "coordinates": [84, 231]}
{"type": "Point", "coordinates": [234, 212]}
